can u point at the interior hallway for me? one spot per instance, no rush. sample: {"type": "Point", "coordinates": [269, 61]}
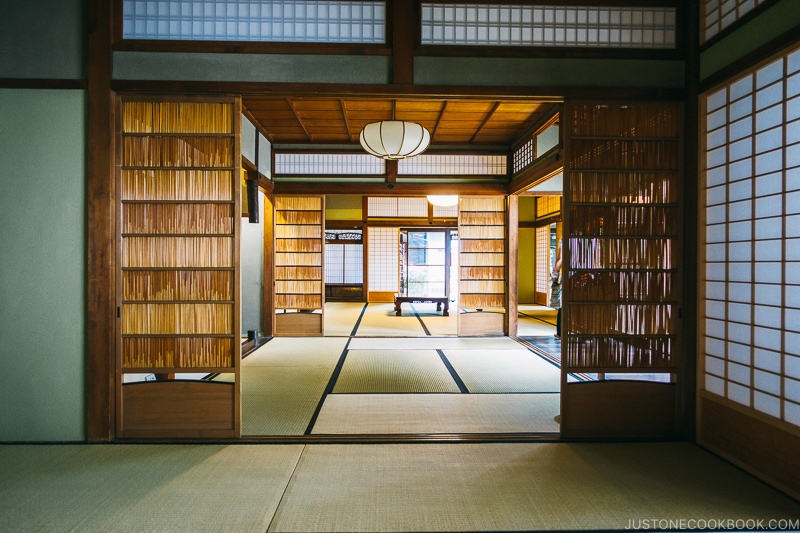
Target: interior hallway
{"type": "Point", "coordinates": [389, 487]}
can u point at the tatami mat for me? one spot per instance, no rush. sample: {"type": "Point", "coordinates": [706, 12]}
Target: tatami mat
{"type": "Point", "coordinates": [519, 487]}
{"type": "Point", "coordinates": [438, 343]}
{"type": "Point", "coordinates": [504, 371]}
{"type": "Point", "coordinates": [341, 317]}
{"type": "Point", "coordinates": [283, 382]}
{"type": "Point", "coordinates": [379, 320]}
{"type": "Point", "coordinates": [126, 488]}
{"type": "Point", "coordinates": [394, 371]}
{"type": "Point", "coordinates": [437, 413]}
{"type": "Point", "coordinates": [435, 323]}
{"type": "Point", "coordinates": [533, 320]}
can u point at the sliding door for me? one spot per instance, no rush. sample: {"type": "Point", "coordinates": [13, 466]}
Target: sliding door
{"type": "Point", "coordinates": [178, 286]}
{"type": "Point", "coordinates": [621, 297]}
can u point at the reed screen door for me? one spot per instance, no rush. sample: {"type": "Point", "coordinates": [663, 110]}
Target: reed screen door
{"type": "Point", "coordinates": [621, 277]}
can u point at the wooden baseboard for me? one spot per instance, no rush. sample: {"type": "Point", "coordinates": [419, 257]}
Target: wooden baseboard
{"type": "Point", "coordinates": [749, 441]}
{"type": "Point", "coordinates": [380, 297]}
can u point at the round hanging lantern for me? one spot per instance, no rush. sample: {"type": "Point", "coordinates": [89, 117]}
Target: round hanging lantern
{"type": "Point", "coordinates": [394, 139]}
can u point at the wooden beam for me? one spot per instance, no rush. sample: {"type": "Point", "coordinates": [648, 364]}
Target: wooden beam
{"type": "Point", "coordinates": [404, 17]}
{"type": "Point", "coordinates": [485, 120]}
{"type": "Point", "coordinates": [299, 119]}
{"type": "Point", "coordinates": [101, 232]}
{"type": "Point", "coordinates": [391, 189]}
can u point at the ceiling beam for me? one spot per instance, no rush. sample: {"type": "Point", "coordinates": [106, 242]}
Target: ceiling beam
{"type": "Point", "coordinates": [299, 120]}
{"type": "Point", "coordinates": [391, 189]}
{"type": "Point", "coordinates": [346, 121]}
{"type": "Point", "coordinates": [485, 120]}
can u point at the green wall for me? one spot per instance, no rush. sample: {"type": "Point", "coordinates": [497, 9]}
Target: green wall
{"type": "Point", "coordinates": [42, 265]}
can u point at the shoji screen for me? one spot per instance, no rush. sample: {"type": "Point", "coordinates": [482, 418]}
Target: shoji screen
{"type": "Point", "coordinates": [179, 287]}
{"type": "Point", "coordinates": [482, 264]}
{"type": "Point", "coordinates": [543, 266]}
{"type": "Point", "coordinates": [620, 302]}
{"type": "Point", "coordinates": [383, 249]}
{"type": "Point", "coordinates": [751, 211]}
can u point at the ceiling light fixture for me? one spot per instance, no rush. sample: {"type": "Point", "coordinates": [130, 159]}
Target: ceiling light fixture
{"type": "Point", "coordinates": [443, 200]}
{"type": "Point", "coordinates": [394, 139]}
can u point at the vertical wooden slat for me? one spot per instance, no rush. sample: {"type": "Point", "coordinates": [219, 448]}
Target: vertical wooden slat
{"type": "Point", "coordinates": [512, 268]}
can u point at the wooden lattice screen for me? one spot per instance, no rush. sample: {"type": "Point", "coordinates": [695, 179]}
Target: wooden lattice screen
{"type": "Point", "coordinates": [622, 226]}
{"type": "Point", "coordinates": [178, 284]}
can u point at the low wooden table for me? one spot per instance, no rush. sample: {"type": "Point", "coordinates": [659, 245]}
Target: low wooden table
{"type": "Point", "coordinates": [438, 300]}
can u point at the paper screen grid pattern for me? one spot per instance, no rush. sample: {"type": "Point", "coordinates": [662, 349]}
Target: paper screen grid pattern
{"type": "Point", "coordinates": [344, 263]}
{"type": "Point", "coordinates": [389, 207]}
{"type": "Point", "coordinates": [325, 21]}
{"type": "Point", "coordinates": [719, 14]}
{"type": "Point", "coordinates": [543, 267]}
{"type": "Point", "coordinates": [299, 164]}
{"type": "Point", "coordinates": [516, 25]}
{"type": "Point", "coordinates": [384, 245]}
{"type": "Point", "coordinates": [751, 305]}
{"type": "Point", "coordinates": [462, 165]}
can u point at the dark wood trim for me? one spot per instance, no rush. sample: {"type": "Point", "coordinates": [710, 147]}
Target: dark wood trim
{"type": "Point", "coordinates": [245, 47]}
{"type": "Point", "coordinates": [392, 189]}
{"type": "Point", "coordinates": [403, 17]}
{"type": "Point", "coordinates": [549, 52]}
{"type": "Point", "coordinates": [762, 54]}
{"type": "Point", "coordinates": [101, 231]}
{"type": "Point", "coordinates": [37, 83]}
{"type": "Point", "coordinates": [554, 94]}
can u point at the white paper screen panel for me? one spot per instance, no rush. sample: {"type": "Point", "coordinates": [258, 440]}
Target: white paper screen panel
{"type": "Point", "coordinates": [538, 25]}
{"type": "Point", "coordinates": [327, 21]}
{"type": "Point", "coordinates": [751, 271]}
{"type": "Point", "coordinates": [383, 246]}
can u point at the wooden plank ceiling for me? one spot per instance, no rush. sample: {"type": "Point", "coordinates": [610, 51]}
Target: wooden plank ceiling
{"type": "Point", "coordinates": [466, 123]}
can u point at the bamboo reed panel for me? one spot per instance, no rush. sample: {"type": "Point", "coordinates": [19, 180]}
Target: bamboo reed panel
{"type": "Point", "coordinates": [298, 272]}
{"type": "Point", "coordinates": [623, 187]}
{"type": "Point", "coordinates": [617, 154]}
{"type": "Point", "coordinates": [481, 301]}
{"type": "Point", "coordinates": [482, 203]}
{"type": "Point", "coordinates": [482, 286]}
{"type": "Point", "coordinates": [481, 219]}
{"type": "Point", "coordinates": [298, 259]}
{"type": "Point", "coordinates": [622, 319]}
{"type": "Point", "coordinates": [298, 301]}
{"type": "Point", "coordinates": [659, 120]}
{"type": "Point", "coordinates": [623, 220]}
{"type": "Point", "coordinates": [177, 151]}
{"type": "Point", "coordinates": [620, 253]}
{"type": "Point", "coordinates": [298, 287]}
{"type": "Point", "coordinates": [180, 319]}
{"type": "Point", "coordinates": [482, 272]}
{"type": "Point", "coordinates": [298, 245]}
{"type": "Point", "coordinates": [619, 353]}
{"type": "Point", "coordinates": [298, 232]}
{"type": "Point", "coordinates": [481, 260]}
{"type": "Point", "coordinates": [159, 352]}
{"type": "Point", "coordinates": [177, 218]}
{"type": "Point", "coordinates": [481, 232]}
{"type": "Point", "coordinates": [177, 252]}
{"type": "Point", "coordinates": [177, 117]}
{"type": "Point", "coordinates": [177, 285]}
{"type": "Point", "coordinates": [298, 217]}
{"type": "Point", "coordinates": [177, 185]}
{"type": "Point", "coordinates": [298, 203]}
{"type": "Point", "coordinates": [611, 286]}
{"type": "Point", "coordinates": [470, 246]}
{"type": "Point", "coordinates": [547, 205]}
